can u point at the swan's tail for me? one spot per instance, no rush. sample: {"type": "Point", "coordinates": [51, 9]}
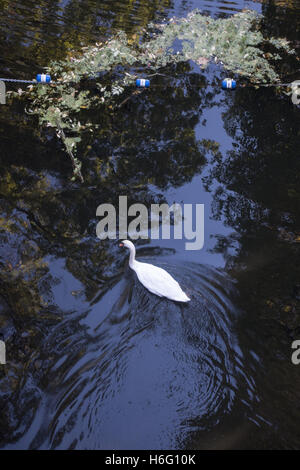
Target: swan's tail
{"type": "Point", "coordinates": [182, 298]}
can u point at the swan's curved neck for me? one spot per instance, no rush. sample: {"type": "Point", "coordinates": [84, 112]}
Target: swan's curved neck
{"type": "Point", "coordinates": [132, 256]}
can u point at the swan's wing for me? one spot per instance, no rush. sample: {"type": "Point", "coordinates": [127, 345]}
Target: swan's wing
{"type": "Point", "coordinates": [159, 282]}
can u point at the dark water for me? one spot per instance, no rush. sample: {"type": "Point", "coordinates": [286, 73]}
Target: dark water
{"type": "Point", "coordinates": [131, 376]}
{"type": "Point", "coordinates": [93, 359]}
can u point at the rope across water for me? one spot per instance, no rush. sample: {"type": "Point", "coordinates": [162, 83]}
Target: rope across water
{"type": "Point", "coordinates": [16, 80]}
{"type": "Point", "coordinates": [145, 82]}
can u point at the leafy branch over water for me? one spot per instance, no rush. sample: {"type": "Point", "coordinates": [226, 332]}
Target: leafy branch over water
{"type": "Point", "coordinates": [237, 43]}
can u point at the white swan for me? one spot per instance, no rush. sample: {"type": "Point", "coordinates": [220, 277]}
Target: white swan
{"type": "Point", "coordinates": [155, 279]}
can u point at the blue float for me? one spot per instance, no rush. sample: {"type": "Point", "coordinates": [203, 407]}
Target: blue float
{"type": "Point", "coordinates": [142, 83]}
{"type": "Point", "coordinates": [228, 83]}
{"type": "Point", "coordinates": [43, 78]}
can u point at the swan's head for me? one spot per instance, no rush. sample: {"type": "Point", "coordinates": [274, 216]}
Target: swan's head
{"type": "Point", "coordinates": [128, 245]}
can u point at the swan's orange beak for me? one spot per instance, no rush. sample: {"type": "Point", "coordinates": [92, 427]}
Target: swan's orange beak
{"type": "Point", "coordinates": [121, 244]}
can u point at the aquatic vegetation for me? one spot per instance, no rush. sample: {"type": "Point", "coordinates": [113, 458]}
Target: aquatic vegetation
{"type": "Point", "coordinates": [98, 75]}
{"type": "Point", "coordinates": [236, 42]}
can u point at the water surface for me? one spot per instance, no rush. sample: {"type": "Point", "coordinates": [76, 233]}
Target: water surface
{"type": "Point", "coordinates": [94, 360]}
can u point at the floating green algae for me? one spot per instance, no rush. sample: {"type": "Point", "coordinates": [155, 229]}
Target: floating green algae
{"type": "Point", "coordinates": [237, 43]}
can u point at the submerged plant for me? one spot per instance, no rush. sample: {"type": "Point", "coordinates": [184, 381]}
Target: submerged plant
{"type": "Point", "coordinates": [112, 67]}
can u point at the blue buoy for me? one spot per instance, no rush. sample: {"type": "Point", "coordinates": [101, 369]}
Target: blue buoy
{"type": "Point", "coordinates": [228, 83]}
{"type": "Point", "coordinates": [43, 78]}
{"type": "Point", "coordinates": [142, 82]}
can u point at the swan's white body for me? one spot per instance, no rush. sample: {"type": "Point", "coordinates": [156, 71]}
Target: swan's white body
{"type": "Point", "coordinates": [155, 279]}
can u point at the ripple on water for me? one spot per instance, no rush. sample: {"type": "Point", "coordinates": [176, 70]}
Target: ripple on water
{"type": "Point", "coordinates": [136, 371]}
